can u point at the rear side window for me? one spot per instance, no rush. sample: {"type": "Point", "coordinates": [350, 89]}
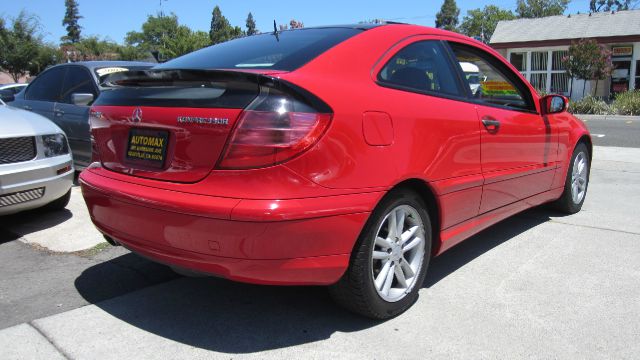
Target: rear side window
{"type": "Point", "coordinates": [288, 50]}
{"type": "Point", "coordinates": [47, 86]}
{"type": "Point", "coordinates": [421, 66]}
{"type": "Point", "coordinates": [490, 81]}
{"type": "Point", "coordinates": [78, 81]}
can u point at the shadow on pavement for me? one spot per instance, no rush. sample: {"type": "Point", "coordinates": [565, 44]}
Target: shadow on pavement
{"type": "Point", "coordinates": [31, 221]}
{"type": "Point", "coordinates": [475, 246]}
{"type": "Point", "coordinates": [224, 316]}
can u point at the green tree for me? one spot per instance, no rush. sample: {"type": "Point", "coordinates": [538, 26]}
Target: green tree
{"type": "Point", "coordinates": [93, 48]}
{"type": "Point", "coordinates": [588, 60]}
{"type": "Point", "coordinates": [155, 35]}
{"type": "Point", "coordinates": [541, 8]}
{"type": "Point", "coordinates": [447, 17]}
{"type": "Point", "coordinates": [221, 30]}
{"type": "Point", "coordinates": [130, 53]}
{"type": "Point", "coordinates": [481, 23]}
{"type": "Point", "coordinates": [47, 55]}
{"type": "Point", "coordinates": [166, 36]}
{"type": "Point", "coordinates": [186, 41]}
{"type": "Point", "coordinates": [295, 24]}
{"type": "Point", "coordinates": [19, 45]}
{"type": "Point", "coordinates": [70, 20]}
{"type": "Point", "coordinates": [251, 25]}
{"type": "Point", "coordinates": [609, 5]}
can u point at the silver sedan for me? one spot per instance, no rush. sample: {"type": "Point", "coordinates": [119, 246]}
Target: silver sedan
{"type": "Point", "coordinates": [36, 168]}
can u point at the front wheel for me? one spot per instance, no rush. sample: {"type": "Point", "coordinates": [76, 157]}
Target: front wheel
{"type": "Point", "coordinates": [390, 259]}
{"type": "Point", "coordinates": [577, 181]}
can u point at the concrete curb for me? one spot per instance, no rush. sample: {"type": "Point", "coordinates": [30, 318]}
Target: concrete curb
{"type": "Point", "coordinates": [607, 117]}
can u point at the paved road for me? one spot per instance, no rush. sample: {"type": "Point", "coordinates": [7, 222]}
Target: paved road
{"type": "Point", "coordinates": [538, 285]}
{"type": "Point", "coordinates": [615, 131]}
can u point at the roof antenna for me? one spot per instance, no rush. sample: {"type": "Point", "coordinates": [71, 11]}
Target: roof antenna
{"type": "Point", "coordinates": [275, 31]}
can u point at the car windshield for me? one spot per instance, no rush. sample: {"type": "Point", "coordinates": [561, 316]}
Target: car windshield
{"type": "Point", "coordinates": [286, 50]}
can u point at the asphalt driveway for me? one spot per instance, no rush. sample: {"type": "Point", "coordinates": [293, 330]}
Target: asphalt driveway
{"type": "Point", "coordinates": [539, 285]}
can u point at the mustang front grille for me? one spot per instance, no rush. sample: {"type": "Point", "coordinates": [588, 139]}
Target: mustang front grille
{"type": "Point", "coordinates": [17, 149]}
{"type": "Point", "coordinates": [21, 197]}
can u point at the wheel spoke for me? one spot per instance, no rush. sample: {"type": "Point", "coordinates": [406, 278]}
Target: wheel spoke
{"type": "Point", "coordinates": [413, 243]}
{"type": "Point", "coordinates": [408, 234]}
{"type": "Point", "coordinates": [382, 276]}
{"type": "Point", "coordinates": [402, 281]}
{"type": "Point", "coordinates": [388, 280]}
{"type": "Point", "coordinates": [399, 222]}
{"type": "Point", "coordinates": [393, 225]}
{"type": "Point", "coordinates": [380, 255]}
{"type": "Point", "coordinates": [382, 242]}
{"type": "Point", "coordinates": [408, 271]}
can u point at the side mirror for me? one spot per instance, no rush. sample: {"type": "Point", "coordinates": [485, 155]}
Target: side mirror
{"type": "Point", "coordinates": [553, 104]}
{"type": "Point", "coordinates": [81, 99]}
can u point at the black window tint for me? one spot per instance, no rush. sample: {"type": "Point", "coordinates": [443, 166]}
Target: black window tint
{"type": "Point", "coordinates": [286, 51]}
{"type": "Point", "coordinates": [421, 66]}
{"type": "Point", "coordinates": [47, 86]}
{"type": "Point", "coordinates": [77, 81]}
{"type": "Point", "coordinates": [490, 81]}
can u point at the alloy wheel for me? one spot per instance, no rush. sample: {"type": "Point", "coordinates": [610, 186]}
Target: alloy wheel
{"type": "Point", "coordinates": [398, 253]}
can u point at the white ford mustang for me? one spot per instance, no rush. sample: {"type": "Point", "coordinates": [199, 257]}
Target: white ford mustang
{"type": "Point", "coordinates": [36, 168]}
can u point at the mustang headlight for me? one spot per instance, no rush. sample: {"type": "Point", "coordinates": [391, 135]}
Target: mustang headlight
{"type": "Point", "coordinates": [55, 145]}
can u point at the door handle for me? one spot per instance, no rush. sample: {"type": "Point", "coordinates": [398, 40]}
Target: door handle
{"type": "Point", "coordinates": [492, 125]}
{"type": "Point", "coordinates": [59, 112]}
{"type": "Point", "coordinates": [27, 107]}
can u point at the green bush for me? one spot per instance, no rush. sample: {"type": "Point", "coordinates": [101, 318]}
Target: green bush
{"type": "Point", "coordinates": [628, 103]}
{"type": "Point", "coordinates": [591, 105]}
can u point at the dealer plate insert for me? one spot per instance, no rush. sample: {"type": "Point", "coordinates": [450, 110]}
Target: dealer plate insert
{"type": "Point", "coordinates": [147, 147]}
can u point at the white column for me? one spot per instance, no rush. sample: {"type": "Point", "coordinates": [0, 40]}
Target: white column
{"type": "Point", "coordinates": [634, 71]}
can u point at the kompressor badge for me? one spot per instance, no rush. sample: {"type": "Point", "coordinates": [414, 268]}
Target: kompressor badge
{"type": "Point", "coordinates": [201, 120]}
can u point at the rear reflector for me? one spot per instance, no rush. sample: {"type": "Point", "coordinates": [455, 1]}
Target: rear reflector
{"type": "Point", "coordinates": [64, 170]}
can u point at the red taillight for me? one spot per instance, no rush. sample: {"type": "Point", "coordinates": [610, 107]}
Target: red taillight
{"type": "Point", "coordinates": [272, 130]}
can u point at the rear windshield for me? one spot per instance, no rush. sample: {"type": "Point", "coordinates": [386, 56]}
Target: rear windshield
{"type": "Point", "coordinates": [288, 50]}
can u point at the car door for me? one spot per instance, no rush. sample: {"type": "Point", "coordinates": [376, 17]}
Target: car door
{"type": "Point", "coordinates": [42, 94]}
{"type": "Point", "coordinates": [78, 80]}
{"type": "Point", "coordinates": [518, 154]}
{"type": "Point", "coordinates": [430, 106]}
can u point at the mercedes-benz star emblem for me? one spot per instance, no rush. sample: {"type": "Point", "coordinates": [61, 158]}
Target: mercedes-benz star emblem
{"type": "Point", "coordinates": [137, 115]}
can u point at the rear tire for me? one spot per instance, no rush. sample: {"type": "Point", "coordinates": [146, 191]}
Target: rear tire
{"type": "Point", "coordinates": [576, 182]}
{"type": "Point", "coordinates": [387, 266]}
{"type": "Point", "coordinates": [59, 203]}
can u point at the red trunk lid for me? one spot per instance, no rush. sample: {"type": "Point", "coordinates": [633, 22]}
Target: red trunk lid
{"type": "Point", "coordinates": [171, 144]}
{"type": "Point", "coordinates": [169, 125]}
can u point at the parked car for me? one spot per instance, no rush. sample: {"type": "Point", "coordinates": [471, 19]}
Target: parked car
{"type": "Point", "coordinates": [341, 156]}
{"type": "Point", "coordinates": [9, 91]}
{"type": "Point", "coordinates": [36, 169]}
{"type": "Point", "coordinates": [63, 94]}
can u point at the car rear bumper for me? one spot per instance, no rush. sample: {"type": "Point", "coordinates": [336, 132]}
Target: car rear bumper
{"type": "Point", "coordinates": [285, 242]}
{"type": "Point", "coordinates": [19, 182]}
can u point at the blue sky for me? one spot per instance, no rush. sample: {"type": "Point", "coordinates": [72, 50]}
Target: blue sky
{"type": "Point", "coordinates": [114, 18]}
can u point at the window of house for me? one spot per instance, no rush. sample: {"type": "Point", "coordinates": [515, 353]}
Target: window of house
{"type": "Point", "coordinates": [546, 70]}
{"type": "Point", "coordinates": [519, 60]}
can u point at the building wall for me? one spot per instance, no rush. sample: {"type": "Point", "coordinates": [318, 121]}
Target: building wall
{"type": "Point", "coordinates": [547, 81]}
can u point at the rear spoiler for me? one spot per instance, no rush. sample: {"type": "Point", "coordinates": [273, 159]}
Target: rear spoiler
{"type": "Point", "coordinates": [196, 89]}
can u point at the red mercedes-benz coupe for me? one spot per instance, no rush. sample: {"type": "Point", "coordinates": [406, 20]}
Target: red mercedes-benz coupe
{"type": "Point", "coordinates": [345, 156]}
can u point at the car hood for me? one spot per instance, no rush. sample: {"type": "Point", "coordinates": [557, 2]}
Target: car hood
{"type": "Point", "coordinates": [16, 122]}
